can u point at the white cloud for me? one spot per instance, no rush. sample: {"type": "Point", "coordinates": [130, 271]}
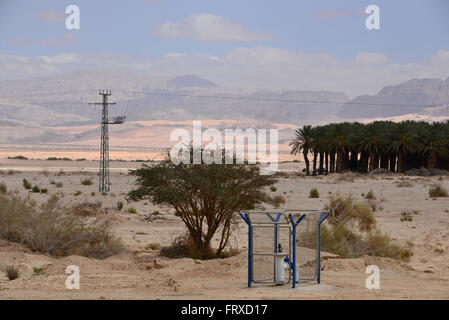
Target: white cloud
{"type": "Point", "coordinates": [257, 67]}
{"type": "Point", "coordinates": [208, 27]}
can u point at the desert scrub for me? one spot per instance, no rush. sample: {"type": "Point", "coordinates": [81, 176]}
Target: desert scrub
{"type": "Point", "coordinates": [314, 193]}
{"type": "Point", "coordinates": [3, 188]}
{"type": "Point", "coordinates": [132, 210]}
{"type": "Point", "coordinates": [438, 191]}
{"type": "Point", "coordinates": [26, 184]}
{"type": "Point", "coordinates": [370, 195]}
{"type": "Point", "coordinates": [406, 216]}
{"type": "Point", "coordinates": [273, 188]}
{"type": "Point", "coordinates": [77, 193]}
{"type": "Point", "coordinates": [53, 229]}
{"type": "Point", "coordinates": [404, 184]}
{"type": "Point", "coordinates": [87, 182]}
{"type": "Point", "coordinates": [153, 246]}
{"type": "Point", "coordinates": [36, 189]}
{"type": "Point", "coordinates": [12, 272]}
{"type": "Point", "coordinates": [350, 231]}
{"type": "Point", "coordinates": [120, 206]}
{"type": "Point", "coordinates": [38, 270]}
{"type": "Point", "coordinates": [278, 200]}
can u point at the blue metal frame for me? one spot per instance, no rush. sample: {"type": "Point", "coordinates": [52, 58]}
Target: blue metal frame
{"type": "Point", "coordinates": [293, 264]}
{"type": "Point", "coordinates": [323, 216]}
{"type": "Point", "coordinates": [245, 218]}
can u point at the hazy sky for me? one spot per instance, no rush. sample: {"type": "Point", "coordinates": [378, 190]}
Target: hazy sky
{"type": "Point", "coordinates": [284, 44]}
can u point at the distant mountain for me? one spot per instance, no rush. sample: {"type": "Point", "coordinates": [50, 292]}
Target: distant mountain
{"type": "Point", "coordinates": [410, 97]}
{"type": "Point", "coordinates": [190, 81]}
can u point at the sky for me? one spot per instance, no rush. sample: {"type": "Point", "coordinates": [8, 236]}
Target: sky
{"type": "Point", "coordinates": [284, 44]}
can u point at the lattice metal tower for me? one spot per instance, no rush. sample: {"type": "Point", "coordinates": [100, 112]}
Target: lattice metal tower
{"type": "Point", "coordinates": [104, 185]}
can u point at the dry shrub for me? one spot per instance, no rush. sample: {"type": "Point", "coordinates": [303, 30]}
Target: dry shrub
{"type": "Point", "coordinates": [3, 188]}
{"type": "Point", "coordinates": [12, 272]}
{"type": "Point", "coordinates": [53, 229]}
{"type": "Point", "coordinates": [381, 245]}
{"type": "Point", "coordinates": [278, 201]}
{"type": "Point", "coordinates": [350, 231]}
{"type": "Point", "coordinates": [404, 184]}
{"type": "Point", "coordinates": [88, 209]}
{"type": "Point", "coordinates": [184, 247]}
{"type": "Point", "coordinates": [348, 176]}
{"type": "Point", "coordinates": [346, 210]}
{"type": "Point", "coordinates": [438, 191]}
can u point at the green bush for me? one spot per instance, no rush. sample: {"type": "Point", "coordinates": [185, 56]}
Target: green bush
{"type": "Point", "coordinates": [273, 188]}
{"type": "Point", "coordinates": [36, 189]}
{"type": "Point", "coordinates": [120, 206]}
{"type": "Point", "coordinates": [314, 193]}
{"type": "Point", "coordinates": [26, 184]}
{"type": "Point", "coordinates": [87, 182]}
{"type": "Point", "coordinates": [77, 193]}
{"type": "Point", "coordinates": [132, 210]}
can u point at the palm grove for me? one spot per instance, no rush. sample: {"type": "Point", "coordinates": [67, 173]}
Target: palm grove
{"type": "Point", "coordinates": [355, 146]}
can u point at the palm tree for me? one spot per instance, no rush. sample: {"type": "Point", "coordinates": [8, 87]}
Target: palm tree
{"type": "Point", "coordinates": [402, 143]}
{"type": "Point", "coordinates": [433, 144]}
{"type": "Point", "coordinates": [303, 141]}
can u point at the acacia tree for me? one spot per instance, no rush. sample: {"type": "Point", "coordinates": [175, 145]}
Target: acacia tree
{"type": "Point", "coordinates": [206, 197]}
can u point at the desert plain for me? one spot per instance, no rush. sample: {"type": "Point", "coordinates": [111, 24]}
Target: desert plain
{"type": "Point", "coordinates": [139, 272]}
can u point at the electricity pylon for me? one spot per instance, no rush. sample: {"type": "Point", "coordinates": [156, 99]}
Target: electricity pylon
{"type": "Point", "coordinates": [104, 185]}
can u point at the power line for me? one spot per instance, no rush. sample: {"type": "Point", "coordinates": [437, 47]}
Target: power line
{"type": "Point", "coordinates": [236, 98]}
{"type": "Point", "coordinates": [277, 100]}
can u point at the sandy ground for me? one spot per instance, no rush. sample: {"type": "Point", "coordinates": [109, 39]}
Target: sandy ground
{"type": "Point", "coordinates": [140, 273]}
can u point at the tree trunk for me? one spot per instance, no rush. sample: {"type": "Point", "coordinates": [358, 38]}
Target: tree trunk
{"type": "Point", "coordinates": [326, 163]}
{"type": "Point", "coordinates": [321, 168]}
{"type": "Point", "coordinates": [307, 162]}
{"type": "Point", "coordinates": [384, 158]}
{"type": "Point", "coordinates": [315, 157]}
{"type": "Point", "coordinates": [393, 163]}
{"type": "Point", "coordinates": [332, 161]}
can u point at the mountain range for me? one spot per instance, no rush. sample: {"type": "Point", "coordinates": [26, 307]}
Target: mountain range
{"type": "Point", "coordinates": [39, 111]}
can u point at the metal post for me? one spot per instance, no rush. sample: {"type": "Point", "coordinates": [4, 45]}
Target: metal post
{"type": "Point", "coordinates": [245, 218]}
{"type": "Point", "coordinates": [323, 217]}
{"type": "Point", "coordinates": [104, 185]}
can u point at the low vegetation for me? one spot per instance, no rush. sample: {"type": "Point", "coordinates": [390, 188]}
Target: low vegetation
{"type": "Point", "coordinates": [278, 201]}
{"type": "Point", "coordinates": [314, 193]}
{"type": "Point", "coordinates": [26, 184]}
{"type": "Point", "coordinates": [350, 231]}
{"type": "Point", "coordinates": [12, 272]}
{"type": "Point", "coordinates": [53, 229]}
{"type": "Point", "coordinates": [87, 182]}
{"type": "Point", "coordinates": [438, 191]}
